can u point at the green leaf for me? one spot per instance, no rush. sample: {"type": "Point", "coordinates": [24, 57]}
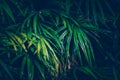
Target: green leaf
{"type": "Point", "coordinates": [62, 36]}
{"type": "Point", "coordinates": [35, 23]}
{"type": "Point", "coordinates": [76, 45]}
{"type": "Point", "coordinates": [38, 47]}
{"type": "Point", "coordinates": [110, 8]}
{"type": "Point", "coordinates": [84, 46]}
{"type": "Point", "coordinates": [88, 71]}
{"type": "Point", "coordinates": [64, 23]}
{"type": "Point", "coordinates": [75, 22]}
{"type": "Point", "coordinates": [4, 67]}
{"type": "Point", "coordinates": [115, 74]}
{"type": "Point", "coordinates": [101, 12]}
{"type": "Point", "coordinates": [20, 41]}
{"type": "Point", "coordinates": [16, 58]}
{"type": "Point", "coordinates": [27, 21]}
{"type": "Point", "coordinates": [8, 10]}
{"type": "Point", "coordinates": [44, 50]}
{"type": "Point", "coordinates": [94, 12]}
{"type": "Point", "coordinates": [53, 53]}
{"type": "Point", "coordinates": [14, 45]}
{"type": "Point", "coordinates": [30, 69]}
{"type": "Point", "coordinates": [68, 45]}
{"type": "Point", "coordinates": [40, 69]}
{"type": "Point", "coordinates": [24, 61]}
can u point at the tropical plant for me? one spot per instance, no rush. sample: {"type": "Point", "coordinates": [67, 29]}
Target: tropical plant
{"type": "Point", "coordinates": [43, 44]}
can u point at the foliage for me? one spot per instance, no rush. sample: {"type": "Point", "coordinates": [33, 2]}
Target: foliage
{"type": "Point", "coordinates": [50, 43]}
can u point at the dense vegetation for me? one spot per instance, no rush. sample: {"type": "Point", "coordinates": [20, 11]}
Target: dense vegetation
{"type": "Point", "coordinates": [59, 40]}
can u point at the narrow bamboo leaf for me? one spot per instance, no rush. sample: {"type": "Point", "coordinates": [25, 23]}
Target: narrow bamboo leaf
{"type": "Point", "coordinates": [47, 33]}
{"type": "Point", "coordinates": [87, 8]}
{"type": "Point", "coordinates": [44, 50]}
{"type": "Point", "coordinates": [75, 40]}
{"type": "Point", "coordinates": [24, 61]}
{"type": "Point", "coordinates": [41, 17]}
{"type": "Point", "coordinates": [61, 29]}
{"type": "Point", "coordinates": [35, 23]}
{"type": "Point", "coordinates": [64, 22]}
{"type": "Point", "coordinates": [53, 53]}
{"type": "Point", "coordinates": [63, 35]}
{"type": "Point", "coordinates": [32, 71]}
{"type": "Point", "coordinates": [16, 58]}
{"type": "Point", "coordinates": [4, 66]}
{"type": "Point", "coordinates": [76, 45]}
{"type": "Point", "coordinates": [18, 7]}
{"type": "Point", "coordinates": [38, 47]}
{"type": "Point", "coordinates": [36, 36]}
{"type": "Point", "coordinates": [80, 38]}
{"type": "Point", "coordinates": [88, 71]}
{"type": "Point", "coordinates": [30, 43]}
{"type": "Point", "coordinates": [50, 29]}
{"type": "Point", "coordinates": [12, 37]}
{"type": "Point", "coordinates": [8, 10]}
{"type": "Point", "coordinates": [101, 12]}
{"type": "Point", "coordinates": [57, 21]}
{"type": "Point", "coordinates": [17, 38]}
{"type": "Point", "coordinates": [20, 42]}
{"type": "Point", "coordinates": [82, 44]}
{"type": "Point", "coordinates": [68, 45]}
{"type": "Point", "coordinates": [89, 49]}
{"type": "Point", "coordinates": [14, 45]}
{"type": "Point", "coordinates": [92, 57]}
{"type": "Point", "coordinates": [75, 22]}
{"type": "Point", "coordinates": [48, 45]}
{"type": "Point", "coordinates": [94, 37]}
{"type": "Point", "coordinates": [56, 44]}
{"type": "Point", "coordinates": [70, 28]}
{"type": "Point", "coordinates": [23, 12]}
{"type": "Point", "coordinates": [29, 68]}
{"type": "Point", "coordinates": [24, 35]}
{"type": "Point", "coordinates": [27, 21]}
{"type": "Point", "coordinates": [115, 74]}
{"type": "Point", "coordinates": [94, 12]}
{"type": "Point", "coordinates": [40, 69]}
{"type": "Point", "coordinates": [110, 8]}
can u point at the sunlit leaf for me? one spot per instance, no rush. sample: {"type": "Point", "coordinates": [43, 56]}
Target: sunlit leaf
{"type": "Point", "coordinates": [64, 23]}
{"type": "Point", "coordinates": [38, 47]}
{"type": "Point", "coordinates": [14, 45]}
{"type": "Point", "coordinates": [44, 50]}
{"type": "Point", "coordinates": [20, 42]}
{"type": "Point", "coordinates": [48, 45]}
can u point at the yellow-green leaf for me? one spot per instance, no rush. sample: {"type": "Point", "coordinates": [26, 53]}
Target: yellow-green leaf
{"type": "Point", "coordinates": [38, 47]}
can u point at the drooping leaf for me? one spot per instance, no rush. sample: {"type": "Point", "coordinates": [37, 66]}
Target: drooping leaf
{"type": "Point", "coordinates": [88, 71]}
{"type": "Point", "coordinates": [8, 10]}
{"type": "Point", "coordinates": [35, 23]}
{"type": "Point", "coordinates": [4, 66]}
{"type": "Point", "coordinates": [24, 61]}
{"type": "Point", "coordinates": [40, 69]}
{"type": "Point", "coordinates": [115, 74]}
